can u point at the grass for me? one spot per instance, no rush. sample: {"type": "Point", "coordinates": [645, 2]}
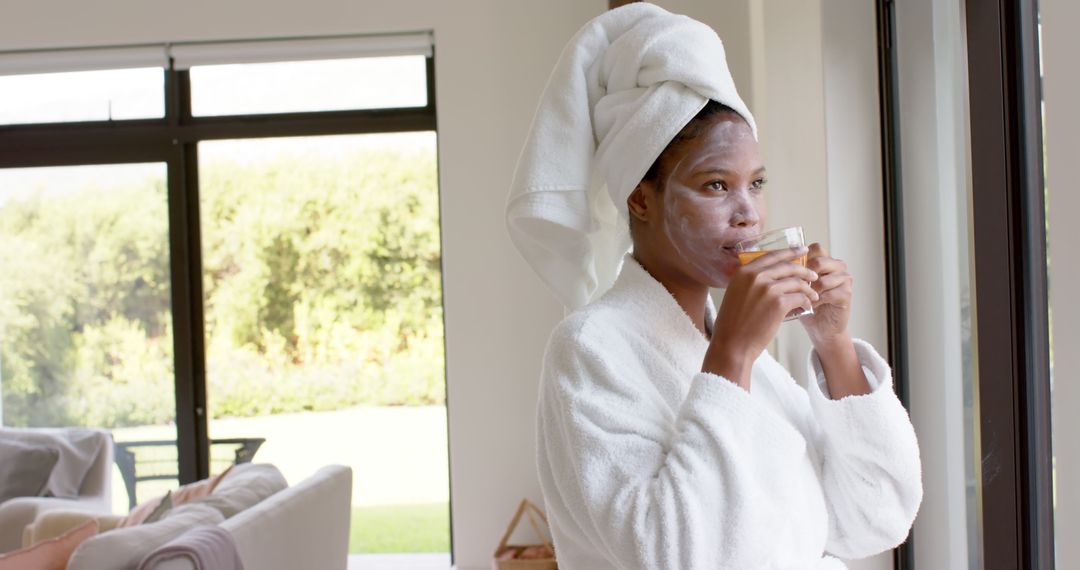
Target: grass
{"type": "Point", "coordinates": [401, 486]}
{"type": "Point", "coordinates": [400, 528]}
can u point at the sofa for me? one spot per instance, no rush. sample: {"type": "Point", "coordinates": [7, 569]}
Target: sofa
{"type": "Point", "coordinates": [84, 464]}
{"type": "Point", "coordinates": [273, 526]}
{"type": "Point", "coordinates": [304, 526]}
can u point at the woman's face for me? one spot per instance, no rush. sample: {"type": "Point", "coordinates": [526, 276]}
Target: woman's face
{"type": "Point", "coordinates": [712, 197]}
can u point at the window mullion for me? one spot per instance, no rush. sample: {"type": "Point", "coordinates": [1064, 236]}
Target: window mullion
{"type": "Point", "coordinates": [185, 246]}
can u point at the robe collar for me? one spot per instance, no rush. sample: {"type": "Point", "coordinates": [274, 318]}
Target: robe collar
{"type": "Point", "coordinates": [653, 301]}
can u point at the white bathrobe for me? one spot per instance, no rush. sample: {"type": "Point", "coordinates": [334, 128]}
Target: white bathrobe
{"type": "Point", "coordinates": [648, 463]}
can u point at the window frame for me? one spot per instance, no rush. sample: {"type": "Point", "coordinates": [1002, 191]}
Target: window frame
{"type": "Point", "coordinates": [1011, 290]}
{"type": "Point", "coordinates": [892, 201]}
{"type": "Point", "coordinates": [1008, 240]}
{"type": "Point", "coordinates": [174, 140]}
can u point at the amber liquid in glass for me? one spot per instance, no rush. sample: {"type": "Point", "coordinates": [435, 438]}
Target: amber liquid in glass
{"type": "Point", "coordinates": [748, 256]}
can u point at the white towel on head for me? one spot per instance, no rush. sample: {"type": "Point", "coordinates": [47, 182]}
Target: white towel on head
{"type": "Point", "coordinates": [623, 87]}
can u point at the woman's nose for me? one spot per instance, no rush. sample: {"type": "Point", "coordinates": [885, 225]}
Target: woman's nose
{"type": "Point", "coordinates": [746, 216]}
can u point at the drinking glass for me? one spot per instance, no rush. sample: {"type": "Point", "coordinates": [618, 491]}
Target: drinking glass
{"type": "Point", "coordinates": [785, 238]}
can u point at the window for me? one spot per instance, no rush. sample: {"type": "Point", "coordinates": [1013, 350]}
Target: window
{"type": "Point", "coordinates": [299, 86]}
{"type": "Point", "coordinates": [975, 282]}
{"type": "Point", "coordinates": [253, 272]}
{"type": "Point", "coordinates": [105, 95]}
{"type": "Point", "coordinates": [86, 335]}
{"type": "Point", "coordinates": [324, 319]}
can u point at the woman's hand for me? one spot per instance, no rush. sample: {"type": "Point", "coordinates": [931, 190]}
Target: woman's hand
{"type": "Point", "coordinates": [827, 327]}
{"type": "Point", "coordinates": [832, 309]}
{"type": "Point", "coordinates": [759, 296]}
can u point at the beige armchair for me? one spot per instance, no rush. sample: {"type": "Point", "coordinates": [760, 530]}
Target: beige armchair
{"type": "Point", "coordinates": [94, 492]}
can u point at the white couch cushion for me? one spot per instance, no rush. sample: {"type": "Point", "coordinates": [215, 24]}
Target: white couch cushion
{"type": "Point", "coordinates": [124, 548]}
{"type": "Point", "coordinates": [244, 486]}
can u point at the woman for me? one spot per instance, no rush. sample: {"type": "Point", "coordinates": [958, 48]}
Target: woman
{"type": "Point", "coordinates": [667, 436]}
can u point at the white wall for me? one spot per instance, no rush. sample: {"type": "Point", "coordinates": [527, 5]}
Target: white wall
{"type": "Point", "coordinates": [853, 141]}
{"type": "Point", "coordinates": [493, 58]}
{"type": "Point", "coordinates": [1061, 92]}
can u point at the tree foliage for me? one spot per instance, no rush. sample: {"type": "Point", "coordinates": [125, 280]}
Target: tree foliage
{"type": "Point", "coordinates": [321, 286]}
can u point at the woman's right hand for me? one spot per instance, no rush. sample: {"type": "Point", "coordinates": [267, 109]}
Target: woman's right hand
{"type": "Point", "coordinates": [759, 296]}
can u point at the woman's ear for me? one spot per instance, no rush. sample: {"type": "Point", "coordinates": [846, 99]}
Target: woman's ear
{"type": "Point", "coordinates": [637, 204]}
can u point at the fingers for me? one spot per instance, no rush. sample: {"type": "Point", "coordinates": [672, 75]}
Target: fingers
{"type": "Point", "coordinates": [796, 286]}
{"type": "Point", "coordinates": [829, 281]}
{"type": "Point", "coordinates": [824, 264]}
{"type": "Point", "coordinates": [789, 270]}
{"type": "Point", "coordinates": [834, 289]}
{"type": "Point", "coordinates": [792, 294]}
{"type": "Point", "coordinates": [835, 284]}
{"type": "Point", "coordinates": [792, 301]}
{"type": "Point", "coordinates": [838, 296]}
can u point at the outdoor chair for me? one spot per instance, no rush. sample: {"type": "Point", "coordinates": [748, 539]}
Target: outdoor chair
{"type": "Point", "coordinates": [151, 460]}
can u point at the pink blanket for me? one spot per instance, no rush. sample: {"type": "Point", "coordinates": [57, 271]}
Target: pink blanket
{"type": "Point", "coordinates": [207, 547]}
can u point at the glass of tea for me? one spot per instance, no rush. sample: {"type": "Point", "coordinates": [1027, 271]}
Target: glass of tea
{"type": "Point", "coordinates": [786, 238]}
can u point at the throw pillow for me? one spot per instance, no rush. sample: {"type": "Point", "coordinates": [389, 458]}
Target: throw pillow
{"type": "Point", "coordinates": [198, 489]}
{"type": "Point", "coordinates": [24, 468]}
{"type": "Point", "coordinates": [51, 554]}
{"type": "Point", "coordinates": [123, 548]}
{"type": "Point", "coordinates": [165, 506]}
{"type": "Point", "coordinates": [79, 449]}
{"type": "Point", "coordinates": [54, 523]}
{"type": "Point", "coordinates": [145, 512]}
{"type": "Point", "coordinates": [246, 485]}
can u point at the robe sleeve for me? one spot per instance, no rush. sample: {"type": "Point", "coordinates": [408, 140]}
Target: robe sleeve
{"type": "Point", "coordinates": [871, 471]}
{"type": "Point", "coordinates": [651, 487]}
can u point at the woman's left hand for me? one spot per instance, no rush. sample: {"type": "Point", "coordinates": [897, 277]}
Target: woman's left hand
{"type": "Point", "coordinates": [834, 288]}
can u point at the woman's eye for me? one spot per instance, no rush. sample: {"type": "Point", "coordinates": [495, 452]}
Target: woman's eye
{"type": "Point", "coordinates": [759, 184]}
{"type": "Point", "coordinates": [716, 185]}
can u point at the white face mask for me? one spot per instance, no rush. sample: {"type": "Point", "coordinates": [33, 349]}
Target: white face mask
{"type": "Point", "coordinates": [706, 212]}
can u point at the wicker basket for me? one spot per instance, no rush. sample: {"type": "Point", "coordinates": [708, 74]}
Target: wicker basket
{"type": "Point", "coordinates": [504, 550]}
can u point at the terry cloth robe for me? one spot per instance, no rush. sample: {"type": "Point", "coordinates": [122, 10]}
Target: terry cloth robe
{"type": "Point", "coordinates": [646, 462]}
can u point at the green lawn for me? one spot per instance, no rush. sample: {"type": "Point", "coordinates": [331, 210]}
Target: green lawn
{"type": "Point", "coordinates": [400, 528]}
{"type": "Point", "coordinates": [401, 487]}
